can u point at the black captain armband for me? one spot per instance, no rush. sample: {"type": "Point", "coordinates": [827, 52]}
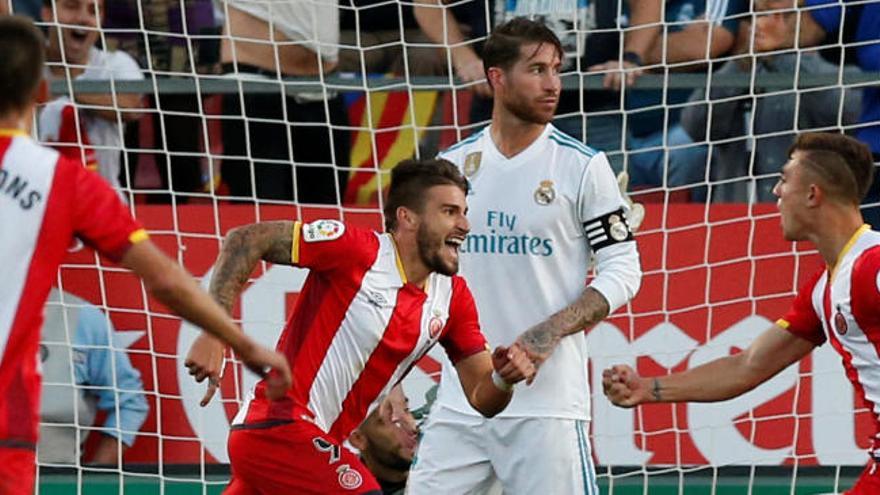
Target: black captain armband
{"type": "Point", "coordinates": [607, 230]}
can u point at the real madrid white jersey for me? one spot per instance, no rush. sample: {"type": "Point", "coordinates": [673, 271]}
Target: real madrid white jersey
{"type": "Point", "coordinates": [535, 219]}
{"type": "Point", "coordinates": [843, 307]}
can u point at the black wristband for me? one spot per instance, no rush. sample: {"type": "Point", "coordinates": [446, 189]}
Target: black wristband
{"type": "Point", "coordinates": [633, 58]}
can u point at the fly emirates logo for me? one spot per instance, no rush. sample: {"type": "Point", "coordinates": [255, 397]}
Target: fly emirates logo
{"type": "Point", "coordinates": [499, 236]}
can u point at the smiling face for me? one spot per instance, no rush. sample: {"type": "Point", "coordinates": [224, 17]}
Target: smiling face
{"type": "Point", "coordinates": [77, 28]}
{"type": "Point", "coordinates": [442, 228]}
{"type": "Point", "coordinates": [774, 24]}
{"type": "Point", "coordinates": [531, 86]}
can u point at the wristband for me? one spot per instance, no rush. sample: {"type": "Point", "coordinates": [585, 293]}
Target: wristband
{"type": "Point", "coordinates": [633, 58]}
{"type": "Point", "coordinates": [501, 383]}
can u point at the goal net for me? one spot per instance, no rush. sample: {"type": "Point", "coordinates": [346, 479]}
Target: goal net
{"type": "Point", "coordinates": [200, 133]}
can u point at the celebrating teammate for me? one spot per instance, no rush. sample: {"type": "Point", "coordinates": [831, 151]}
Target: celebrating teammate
{"type": "Point", "coordinates": [818, 193]}
{"type": "Point", "coordinates": [542, 203]}
{"type": "Point", "coordinates": [372, 306]}
{"type": "Point", "coordinates": [45, 202]}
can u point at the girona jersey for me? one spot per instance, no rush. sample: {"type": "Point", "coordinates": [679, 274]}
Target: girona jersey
{"type": "Point", "coordinates": [45, 201]}
{"type": "Point", "coordinates": [358, 327]}
{"type": "Point", "coordinates": [536, 219]}
{"type": "Point", "coordinates": [843, 307]}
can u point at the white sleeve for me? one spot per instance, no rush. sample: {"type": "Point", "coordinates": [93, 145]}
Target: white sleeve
{"type": "Point", "coordinates": [124, 67]}
{"type": "Point", "coordinates": [49, 120]}
{"type": "Point", "coordinates": [603, 213]}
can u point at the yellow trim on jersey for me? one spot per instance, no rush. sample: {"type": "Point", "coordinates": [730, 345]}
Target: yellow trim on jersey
{"type": "Point", "coordinates": [782, 322]}
{"type": "Point", "coordinates": [139, 235]}
{"type": "Point", "coordinates": [398, 260]}
{"type": "Point", "coordinates": [846, 247]}
{"type": "Point", "coordinates": [12, 133]}
{"type": "Point", "coordinates": [294, 249]}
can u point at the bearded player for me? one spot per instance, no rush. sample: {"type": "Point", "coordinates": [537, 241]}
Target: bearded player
{"type": "Point", "coordinates": [373, 304]}
{"type": "Point", "coordinates": [542, 205]}
{"type": "Point", "coordinates": [818, 192]}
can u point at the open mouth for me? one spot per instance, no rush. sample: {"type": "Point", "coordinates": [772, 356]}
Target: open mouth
{"type": "Point", "coordinates": [78, 36]}
{"type": "Point", "coordinates": [454, 243]}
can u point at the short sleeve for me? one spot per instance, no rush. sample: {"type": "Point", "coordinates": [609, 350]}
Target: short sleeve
{"type": "Point", "coordinates": [801, 319]}
{"type": "Point", "coordinates": [325, 245]}
{"type": "Point", "coordinates": [865, 291]}
{"type": "Point", "coordinates": [100, 218]}
{"type": "Point", "coordinates": [601, 207]}
{"type": "Point", "coordinates": [124, 67]}
{"type": "Point", "coordinates": [726, 13]}
{"type": "Point", "coordinates": [462, 336]}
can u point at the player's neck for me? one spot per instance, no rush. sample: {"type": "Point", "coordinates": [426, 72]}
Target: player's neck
{"type": "Point", "coordinates": [16, 122]}
{"type": "Point", "coordinates": [837, 231]}
{"type": "Point", "coordinates": [414, 269]}
{"type": "Point", "coordinates": [511, 134]}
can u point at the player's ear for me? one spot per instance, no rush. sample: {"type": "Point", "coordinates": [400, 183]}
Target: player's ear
{"type": "Point", "coordinates": [815, 195]}
{"type": "Point", "coordinates": [358, 440]}
{"type": "Point", "coordinates": [495, 76]}
{"type": "Point", "coordinates": [405, 217]}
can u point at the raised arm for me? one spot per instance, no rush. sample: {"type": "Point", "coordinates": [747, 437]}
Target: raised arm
{"type": "Point", "coordinates": [243, 248]}
{"type": "Point", "coordinates": [487, 380]}
{"type": "Point", "coordinates": [722, 379]}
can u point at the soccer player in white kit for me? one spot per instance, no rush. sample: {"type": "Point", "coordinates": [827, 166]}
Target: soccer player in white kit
{"type": "Point", "coordinates": [819, 192]}
{"type": "Point", "coordinates": [541, 204]}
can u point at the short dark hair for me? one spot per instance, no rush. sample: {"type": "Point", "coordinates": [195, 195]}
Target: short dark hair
{"type": "Point", "coordinates": [411, 179]}
{"type": "Point", "coordinates": [21, 70]}
{"type": "Point", "coordinates": [502, 48]}
{"type": "Point", "coordinates": [843, 164]}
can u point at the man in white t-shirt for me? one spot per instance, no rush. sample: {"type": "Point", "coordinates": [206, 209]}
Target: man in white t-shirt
{"type": "Point", "coordinates": [88, 127]}
{"type": "Point", "coordinates": [541, 205]}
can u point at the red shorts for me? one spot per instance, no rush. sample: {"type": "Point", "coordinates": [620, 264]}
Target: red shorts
{"type": "Point", "coordinates": [17, 471]}
{"type": "Point", "coordinates": [869, 482]}
{"type": "Point", "coordinates": [294, 458]}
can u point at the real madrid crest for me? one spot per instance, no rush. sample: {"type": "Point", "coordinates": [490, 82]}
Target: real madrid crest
{"type": "Point", "coordinates": [617, 228]}
{"type": "Point", "coordinates": [545, 194]}
{"type": "Point", "coordinates": [472, 163]}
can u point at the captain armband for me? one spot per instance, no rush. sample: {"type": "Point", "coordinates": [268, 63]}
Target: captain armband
{"type": "Point", "coordinates": [607, 230]}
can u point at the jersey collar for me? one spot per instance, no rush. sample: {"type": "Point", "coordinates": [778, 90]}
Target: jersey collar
{"type": "Point", "coordinates": [12, 133]}
{"type": "Point", "coordinates": [846, 249]}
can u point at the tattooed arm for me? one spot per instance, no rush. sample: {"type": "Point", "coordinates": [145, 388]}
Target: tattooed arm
{"type": "Point", "coordinates": [243, 249]}
{"type": "Point", "coordinates": [540, 340]}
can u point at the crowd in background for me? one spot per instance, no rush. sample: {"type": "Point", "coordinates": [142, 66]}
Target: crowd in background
{"type": "Point", "coordinates": [296, 147]}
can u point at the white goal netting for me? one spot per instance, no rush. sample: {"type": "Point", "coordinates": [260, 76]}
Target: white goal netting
{"type": "Point", "coordinates": [180, 106]}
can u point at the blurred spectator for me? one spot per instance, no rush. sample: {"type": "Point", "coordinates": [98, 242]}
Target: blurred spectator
{"type": "Point", "coordinates": [87, 126]}
{"type": "Point", "coordinates": [83, 374]}
{"type": "Point", "coordinates": [857, 26]}
{"type": "Point", "coordinates": [386, 449]}
{"type": "Point", "coordinates": [4, 7]}
{"type": "Point", "coordinates": [29, 8]}
{"type": "Point", "coordinates": [289, 139]}
{"type": "Point", "coordinates": [745, 120]}
{"type": "Point", "coordinates": [169, 38]}
{"type": "Point", "coordinates": [694, 33]}
{"type": "Point", "coordinates": [382, 33]}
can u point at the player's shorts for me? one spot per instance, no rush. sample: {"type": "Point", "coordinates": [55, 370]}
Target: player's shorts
{"type": "Point", "coordinates": [463, 454]}
{"type": "Point", "coordinates": [17, 471]}
{"type": "Point", "coordinates": [294, 458]}
{"type": "Point", "coordinates": [869, 481]}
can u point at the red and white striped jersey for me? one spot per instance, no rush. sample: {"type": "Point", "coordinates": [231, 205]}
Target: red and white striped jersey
{"type": "Point", "coordinates": [45, 201]}
{"type": "Point", "coordinates": [843, 307]}
{"type": "Point", "coordinates": [358, 328]}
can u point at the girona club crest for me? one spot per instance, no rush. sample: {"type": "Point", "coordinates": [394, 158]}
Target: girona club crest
{"type": "Point", "coordinates": [434, 327]}
{"type": "Point", "coordinates": [349, 478]}
{"type": "Point", "coordinates": [840, 323]}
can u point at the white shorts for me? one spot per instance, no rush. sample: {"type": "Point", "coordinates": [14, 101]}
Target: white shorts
{"type": "Point", "coordinates": [464, 454]}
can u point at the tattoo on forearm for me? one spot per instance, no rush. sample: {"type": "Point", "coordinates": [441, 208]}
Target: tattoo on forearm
{"type": "Point", "coordinates": [542, 338]}
{"type": "Point", "coordinates": [243, 248]}
{"type": "Point", "coordinates": [655, 391]}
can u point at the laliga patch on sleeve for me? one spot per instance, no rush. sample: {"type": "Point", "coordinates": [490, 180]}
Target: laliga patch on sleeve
{"type": "Point", "coordinates": [322, 230]}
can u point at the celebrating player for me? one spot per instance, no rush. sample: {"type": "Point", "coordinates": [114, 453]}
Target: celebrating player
{"type": "Point", "coordinates": [45, 202]}
{"type": "Point", "coordinates": [372, 306]}
{"type": "Point", "coordinates": [818, 193]}
{"type": "Point", "coordinates": [542, 203]}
